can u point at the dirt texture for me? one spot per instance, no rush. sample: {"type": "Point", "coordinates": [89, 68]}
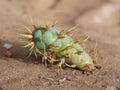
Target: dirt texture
{"type": "Point", "coordinates": [99, 19]}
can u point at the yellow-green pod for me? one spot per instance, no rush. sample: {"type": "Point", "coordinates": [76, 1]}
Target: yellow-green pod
{"type": "Point", "coordinates": [47, 37]}
{"type": "Point", "coordinates": [81, 60]}
{"type": "Point", "coordinates": [41, 45]}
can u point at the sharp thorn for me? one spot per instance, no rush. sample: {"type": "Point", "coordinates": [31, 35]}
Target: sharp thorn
{"type": "Point", "coordinates": [86, 38]}
{"type": "Point", "coordinates": [54, 24]}
{"type": "Point", "coordinates": [27, 36]}
{"type": "Point", "coordinates": [33, 24]}
{"type": "Point", "coordinates": [30, 53]}
{"type": "Point", "coordinates": [31, 20]}
{"type": "Point", "coordinates": [70, 29]}
{"type": "Point", "coordinates": [32, 47]}
{"type": "Point", "coordinates": [46, 24]}
{"type": "Point", "coordinates": [35, 53]}
{"type": "Point", "coordinates": [28, 44]}
{"type": "Point", "coordinates": [28, 29]}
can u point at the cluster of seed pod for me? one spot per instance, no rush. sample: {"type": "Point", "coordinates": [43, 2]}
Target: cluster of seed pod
{"type": "Point", "coordinates": [57, 46]}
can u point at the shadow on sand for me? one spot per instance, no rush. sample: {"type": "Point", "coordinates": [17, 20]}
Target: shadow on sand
{"type": "Point", "coordinates": [19, 53]}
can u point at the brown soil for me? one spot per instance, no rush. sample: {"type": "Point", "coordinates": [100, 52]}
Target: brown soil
{"type": "Point", "coordinates": [100, 19]}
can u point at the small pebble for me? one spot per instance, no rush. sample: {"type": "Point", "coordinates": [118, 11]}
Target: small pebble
{"type": "Point", "coordinates": [7, 45]}
{"type": "Point", "coordinates": [8, 53]}
{"type": "Point", "coordinates": [62, 81]}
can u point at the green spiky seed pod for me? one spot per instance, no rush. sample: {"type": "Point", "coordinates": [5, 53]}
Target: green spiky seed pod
{"type": "Point", "coordinates": [82, 60]}
{"type": "Point", "coordinates": [54, 44]}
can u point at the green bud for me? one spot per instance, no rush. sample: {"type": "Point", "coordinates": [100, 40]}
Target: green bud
{"type": "Point", "coordinates": [41, 45]}
{"type": "Point", "coordinates": [47, 37]}
{"type": "Point", "coordinates": [37, 35]}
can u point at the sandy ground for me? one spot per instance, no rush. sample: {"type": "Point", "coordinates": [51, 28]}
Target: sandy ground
{"type": "Point", "coordinates": [100, 19]}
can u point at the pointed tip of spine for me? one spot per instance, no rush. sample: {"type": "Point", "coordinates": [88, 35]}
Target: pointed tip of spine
{"type": "Point", "coordinates": [46, 24]}
{"type": "Point", "coordinates": [29, 31]}
{"type": "Point", "coordinates": [31, 51]}
{"type": "Point", "coordinates": [31, 19]}
{"type": "Point", "coordinates": [25, 36]}
{"type": "Point", "coordinates": [33, 24]}
{"type": "Point", "coordinates": [28, 45]}
{"type": "Point", "coordinates": [54, 24]}
{"type": "Point", "coordinates": [35, 54]}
